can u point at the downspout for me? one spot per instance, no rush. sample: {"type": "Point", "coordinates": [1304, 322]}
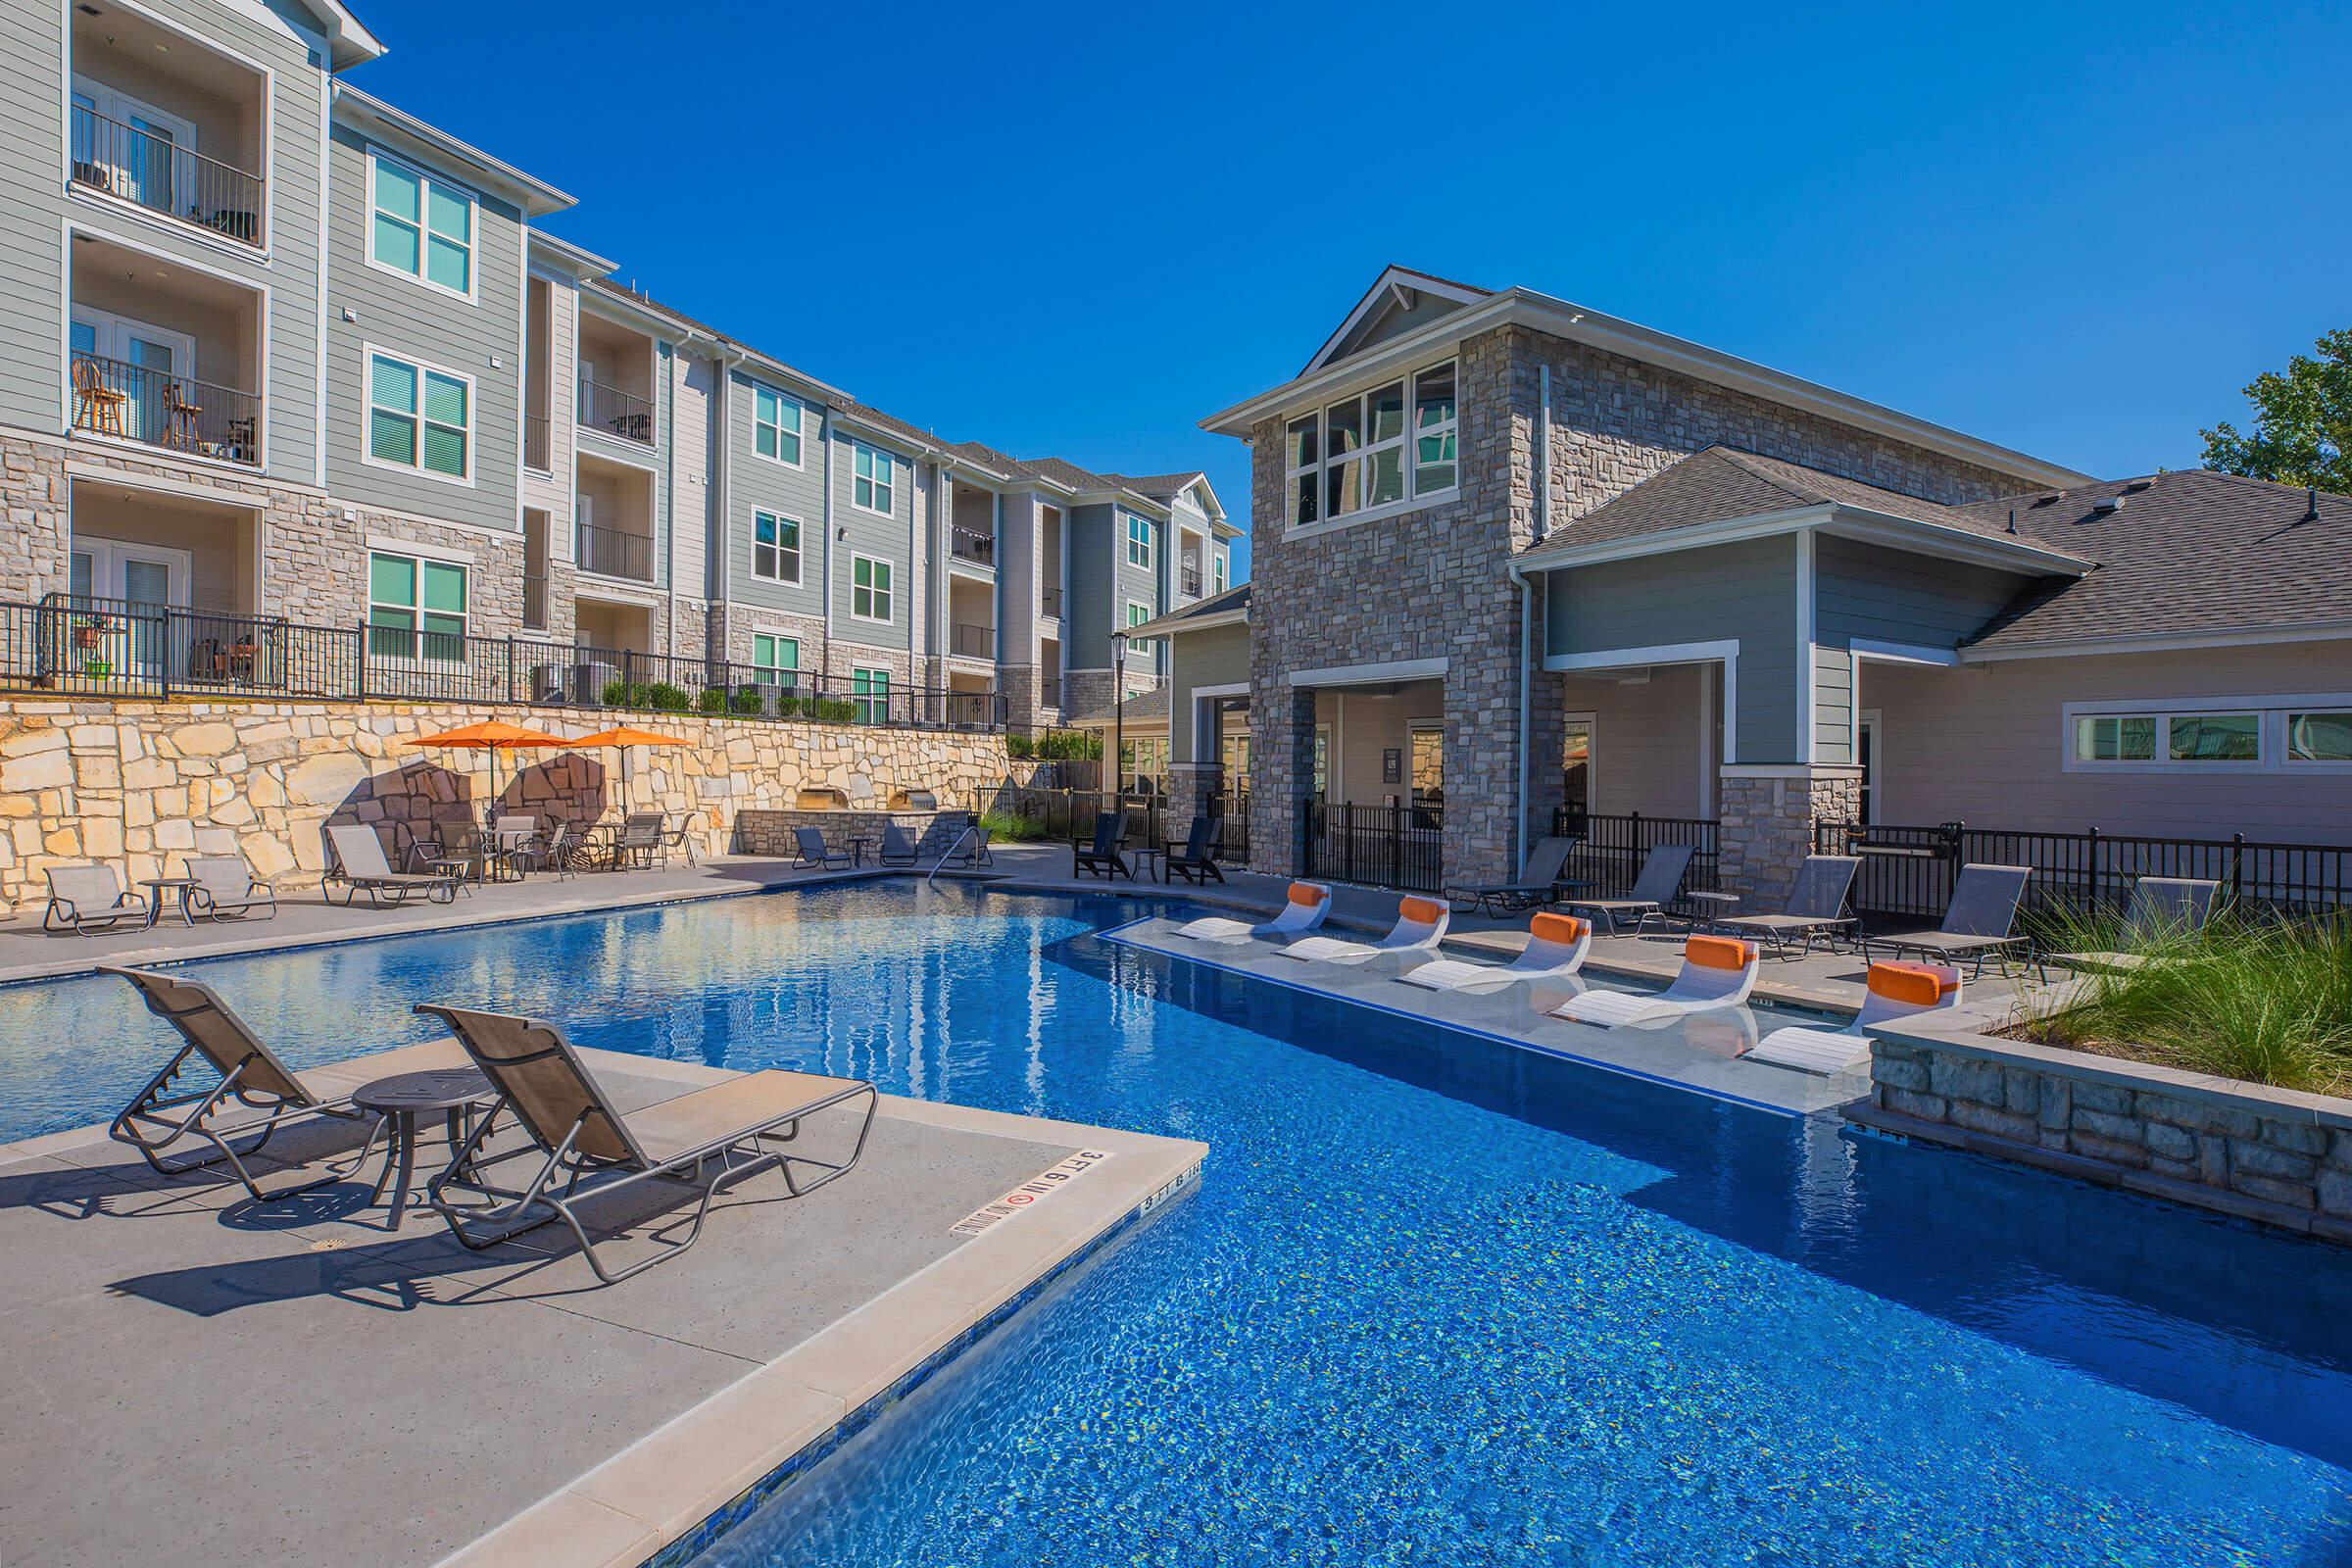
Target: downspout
{"type": "Point", "coordinates": [725, 542]}
{"type": "Point", "coordinates": [1527, 607]}
{"type": "Point", "coordinates": [825, 437]}
{"type": "Point", "coordinates": [669, 491]}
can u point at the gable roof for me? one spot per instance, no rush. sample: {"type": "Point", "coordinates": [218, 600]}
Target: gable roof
{"type": "Point", "coordinates": [1396, 290]}
{"type": "Point", "coordinates": [1721, 484]}
{"type": "Point", "coordinates": [1230, 608]}
{"type": "Point", "coordinates": [1142, 711]}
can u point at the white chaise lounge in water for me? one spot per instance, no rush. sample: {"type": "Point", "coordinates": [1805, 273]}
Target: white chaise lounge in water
{"type": "Point", "coordinates": [1717, 972]}
{"type": "Point", "coordinates": [1420, 926]}
{"type": "Point", "coordinates": [1895, 991]}
{"type": "Point", "coordinates": [1304, 911]}
{"type": "Point", "coordinates": [1556, 945]}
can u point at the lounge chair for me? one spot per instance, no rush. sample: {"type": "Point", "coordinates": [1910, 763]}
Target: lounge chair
{"type": "Point", "coordinates": [256, 1094]}
{"type": "Point", "coordinates": [642, 840]}
{"type": "Point", "coordinates": [1979, 922]}
{"type": "Point", "coordinates": [89, 899]}
{"type": "Point", "coordinates": [1816, 907]}
{"type": "Point", "coordinates": [1716, 972]}
{"type": "Point", "coordinates": [1195, 858]}
{"type": "Point", "coordinates": [1539, 880]}
{"type": "Point", "coordinates": [969, 845]}
{"type": "Point", "coordinates": [1099, 856]}
{"type": "Point", "coordinates": [1893, 991]}
{"type": "Point", "coordinates": [1420, 926]}
{"type": "Point", "coordinates": [2161, 908]}
{"type": "Point", "coordinates": [1659, 884]}
{"type": "Point", "coordinates": [899, 846]}
{"type": "Point", "coordinates": [227, 890]}
{"type": "Point", "coordinates": [358, 862]}
{"type": "Point", "coordinates": [1303, 909]}
{"type": "Point", "coordinates": [1556, 945]}
{"type": "Point", "coordinates": [814, 853]}
{"type": "Point", "coordinates": [585, 1148]}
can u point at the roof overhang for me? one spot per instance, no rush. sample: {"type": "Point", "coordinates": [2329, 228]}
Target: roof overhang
{"type": "Point", "coordinates": [931, 450]}
{"type": "Point", "coordinates": [1399, 284]}
{"type": "Point", "coordinates": [1542, 312]}
{"type": "Point", "coordinates": [575, 262]}
{"type": "Point", "coordinates": [348, 41]}
{"type": "Point", "coordinates": [1176, 622]}
{"type": "Point", "coordinates": [1848, 522]}
{"type": "Point", "coordinates": [2162, 641]}
{"type": "Point", "coordinates": [369, 112]}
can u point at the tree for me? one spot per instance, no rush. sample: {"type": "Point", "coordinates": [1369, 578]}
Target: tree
{"type": "Point", "coordinates": [2302, 422]}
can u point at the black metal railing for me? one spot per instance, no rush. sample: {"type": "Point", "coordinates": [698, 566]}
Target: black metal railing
{"type": "Point", "coordinates": [1049, 602]}
{"type": "Point", "coordinates": [117, 648]}
{"type": "Point", "coordinates": [1049, 692]}
{"type": "Point", "coordinates": [967, 640]}
{"type": "Point", "coordinates": [1611, 848]}
{"type": "Point", "coordinates": [1231, 812]}
{"type": "Point", "coordinates": [613, 553]}
{"type": "Point", "coordinates": [114, 397]}
{"type": "Point", "coordinates": [616, 412]}
{"type": "Point", "coordinates": [534, 601]}
{"type": "Point", "coordinates": [1066, 815]}
{"type": "Point", "coordinates": [538, 444]}
{"type": "Point", "coordinates": [1907, 872]}
{"type": "Point", "coordinates": [1400, 847]}
{"type": "Point", "coordinates": [165, 177]}
{"type": "Point", "coordinates": [970, 544]}
{"type": "Point", "coordinates": [1188, 579]}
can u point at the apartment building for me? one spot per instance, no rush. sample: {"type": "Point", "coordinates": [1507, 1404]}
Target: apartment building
{"type": "Point", "coordinates": [270, 348]}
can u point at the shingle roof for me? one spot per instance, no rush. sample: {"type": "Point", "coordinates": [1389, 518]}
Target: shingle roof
{"type": "Point", "coordinates": [1069, 474]}
{"type": "Point", "coordinates": [1232, 599]}
{"type": "Point", "coordinates": [1146, 707]}
{"type": "Point", "coordinates": [1720, 483]}
{"type": "Point", "coordinates": [1158, 486]}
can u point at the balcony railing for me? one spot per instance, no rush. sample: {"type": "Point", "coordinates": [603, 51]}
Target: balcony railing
{"type": "Point", "coordinates": [1049, 603]}
{"type": "Point", "coordinates": [612, 553]}
{"type": "Point", "coordinates": [534, 601]}
{"type": "Point", "coordinates": [1188, 579]}
{"type": "Point", "coordinates": [1049, 692]}
{"type": "Point", "coordinates": [114, 397]}
{"type": "Point", "coordinates": [967, 640]}
{"type": "Point", "coordinates": [970, 544]}
{"type": "Point", "coordinates": [142, 166]}
{"type": "Point", "coordinates": [616, 412]}
{"type": "Point", "coordinates": [538, 449]}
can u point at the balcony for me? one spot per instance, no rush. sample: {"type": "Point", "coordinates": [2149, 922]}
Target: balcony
{"type": "Point", "coordinates": [177, 413]}
{"type": "Point", "coordinates": [1188, 578]}
{"type": "Point", "coordinates": [537, 447]}
{"type": "Point", "coordinates": [1049, 603]}
{"type": "Point", "coordinates": [1049, 692]}
{"type": "Point", "coordinates": [612, 411]}
{"type": "Point", "coordinates": [611, 552]}
{"type": "Point", "coordinates": [145, 169]}
{"type": "Point", "coordinates": [967, 640]}
{"type": "Point", "coordinates": [970, 544]}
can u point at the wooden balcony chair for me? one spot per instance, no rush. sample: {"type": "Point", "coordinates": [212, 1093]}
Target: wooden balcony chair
{"type": "Point", "coordinates": [97, 405]}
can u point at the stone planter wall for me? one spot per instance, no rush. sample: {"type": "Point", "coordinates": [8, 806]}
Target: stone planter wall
{"type": "Point", "coordinates": [765, 832]}
{"type": "Point", "coordinates": [140, 784]}
{"type": "Point", "coordinates": [2269, 1155]}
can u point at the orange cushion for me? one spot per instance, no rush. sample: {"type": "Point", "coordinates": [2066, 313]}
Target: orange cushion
{"type": "Point", "coordinates": [1565, 929]}
{"type": "Point", "coordinates": [1923, 985]}
{"type": "Point", "coordinates": [1306, 893]}
{"type": "Point", "coordinates": [1719, 953]}
{"type": "Point", "coordinates": [1421, 912]}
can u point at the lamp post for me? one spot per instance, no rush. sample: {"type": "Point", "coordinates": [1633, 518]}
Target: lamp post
{"type": "Point", "coordinates": [1118, 718]}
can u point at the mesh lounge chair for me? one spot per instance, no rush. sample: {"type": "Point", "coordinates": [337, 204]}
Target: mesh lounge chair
{"type": "Point", "coordinates": [256, 1094]}
{"type": "Point", "coordinates": [1895, 991]}
{"type": "Point", "coordinates": [1659, 884]}
{"type": "Point", "coordinates": [1420, 926]}
{"type": "Point", "coordinates": [1716, 972]}
{"type": "Point", "coordinates": [358, 864]}
{"type": "Point", "coordinates": [1539, 880]}
{"type": "Point", "coordinates": [2162, 907]}
{"type": "Point", "coordinates": [969, 847]}
{"type": "Point", "coordinates": [89, 899]}
{"type": "Point", "coordinates": [1101, 856]}
{"type": "Point", "coordinates": [641, 841]}
{"type": "Point", "coordinates": [815, 855]}
{"type": "Point", "coordinates": [585, 1148]}
{"type": "Point", "coordinates": [1195, 858]}
{"type": "Point", "coordinates": [1816, 907]}
{"type": "Point", "coordinates": [1303, 911]}
{"type": "Point", "coordinates": [1556, 945]}
{"type": "Point", "coordinates": [227, 890]}
{"type": "Point", "coordinates": [899, 846]}
{"type": "Point", "coordinates": [1979, 923]}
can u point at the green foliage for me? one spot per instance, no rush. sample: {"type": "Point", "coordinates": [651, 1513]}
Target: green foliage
{"type": "Point", "coordinates": [626, 694]}
{"type": "Point", "coordinates": [791, 707]}
{"type": "Point", "coordinates": [830, 709]}
{"type": "Point", "coordinates": [1056, 745]}
{"type": "Point", "coordinates": [746, 700]}
{"type": "Point", "coordinates": [714, 701]}
{"type": "Point", "coordinates": [667, 699]}
{"type": "Point", "coordinates": [2302, 422]}
{"type": "Point", "coordinates": [1019, 747]}
{"type": "Point", "coordinates": [1013, 827]}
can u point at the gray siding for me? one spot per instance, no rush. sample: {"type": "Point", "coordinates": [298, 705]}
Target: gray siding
{"type": "Point", "coordinates": [1087, 610]}
{"type": "Point", "coordinates": [762, 484]}
{"type": "Point", "coordinates": [1216, 657]}
{"type": "Point", "coordinates": [1135, 582]}
{"type": "Point", "coordinates": [1744, 591]}
{"type": "Point", "coordinates": [402, 315]}
{"type": "Point", "coordinates": [1832, 705]}
{"type": "Point", "coordinates": [867, 533]}
{"type": "Point", "coordinates": [1893, 596]}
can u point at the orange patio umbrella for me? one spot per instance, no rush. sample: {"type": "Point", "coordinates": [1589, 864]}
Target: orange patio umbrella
{"type": "Point", "coordinates": [623, 737]}
{"type": "Point", "coordinates": [493, 736]}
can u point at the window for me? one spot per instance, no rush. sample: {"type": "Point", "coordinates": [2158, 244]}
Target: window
{"type": "Point", "coordinates": [1144, 765]}
{"type": "Point", "coordinates": [2319, 737]}
{"type": "Point", "coordinates": [871, 486]}
{"type": "Point", "coordinates": [1137, 613]}
{"type": "Point", "coordinates": [775, 548]}
{"type": "Point", "coordinates": [421, 226]}
{"type": "Point", "coordinates": [1216, 573]}
{"type": "Point", "coordinates": [419, 418]}
{"type": "Point", "coordinates": [1353, 456]}
{"type": "Point", "coordinates": [2216, 738]}
{"type": "Point", "coordinates": [776, 426]}
{"type": "Point", "coordinates": [1576, 765]}
{"type": "Point", "coordinates": [869, 694]}
{"type": "Point", "coordinates": [775, 660]}
{"type": "Point", "coordinates": [2197, 735]}
{"type": "Point", "coordinates": [1138, 541]}
{"type": "Point", "coordinates": [415, 608]}
{"type": "Point", "coordinates": [2116, 738]}
{"type": "Point", "coordinates": [869, 588]}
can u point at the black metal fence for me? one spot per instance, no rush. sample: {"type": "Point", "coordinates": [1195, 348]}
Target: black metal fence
{"type": "Point", "coordinates": [1909, 871]}
{"type": "Point", "coordinates": [1611, 848]}
{"type": "Point", "coordinates": [1399, 846]}
{"type": "Point", "coordinates": [85, 647]}
{"type": "Point", "coordinates": [1068, 814]}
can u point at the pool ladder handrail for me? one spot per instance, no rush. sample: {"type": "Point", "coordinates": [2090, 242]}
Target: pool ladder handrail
{"type": "Point", "coordinates": [941, 863]}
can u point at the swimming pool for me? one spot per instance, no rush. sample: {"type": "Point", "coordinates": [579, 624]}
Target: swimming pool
{"type": "Point", "coordinates": [1437, 1301]}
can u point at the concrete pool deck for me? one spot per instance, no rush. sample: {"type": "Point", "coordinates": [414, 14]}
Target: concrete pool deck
{"type": "Point", "coordinates": [197, 1377]}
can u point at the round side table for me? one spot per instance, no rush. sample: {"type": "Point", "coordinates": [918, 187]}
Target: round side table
{"type": "Point", "coordinates": [455, 1092]}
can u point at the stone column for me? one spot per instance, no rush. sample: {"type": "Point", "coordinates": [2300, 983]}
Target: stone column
{"type": "Point", "coordinates": [1022, 691]}
{"type": "Point", "coordinates": [1282, 766]}
{"type": "Point", "coordinates": [1192, 787]}
{"type": "Point", "coordinates": [1765, 826]}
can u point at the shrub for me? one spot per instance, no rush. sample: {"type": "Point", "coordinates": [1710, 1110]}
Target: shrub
{"type": "Point", "coordinates": [713, 701]}
{"type": "Point", "coordinates": [667, 698]}
{"type": "Point", "coordinates": [790, 707]}
{"type": "Point", "coordinates": [1012, 826]}
{"type": "Point", "coordinates": [1019, 747]}
{"type": "Point", "coordinates": [832, 709]}
{"type": "Point", "coordinates": [1070, 745]}
{"type": "Point", "coordinates": [746, 700]}
{"type": "Point", "coordinates": [627, 694]}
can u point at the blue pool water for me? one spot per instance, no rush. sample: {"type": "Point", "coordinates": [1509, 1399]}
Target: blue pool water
{"type": "Point", "coordinates": [1437, 1301]}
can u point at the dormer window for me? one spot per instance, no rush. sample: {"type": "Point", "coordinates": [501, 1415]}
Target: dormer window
{"type": "Point", "coordinates": [1361, 452]}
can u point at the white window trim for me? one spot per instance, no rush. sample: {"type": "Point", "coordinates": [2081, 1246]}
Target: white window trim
{"type": "Point", "coordinates": [777, 639]}
{"type": "Point", "coordinates": [856, 446]}
{"type": "Point", "coordinates": [1219, 571]}
{"type": "Point", "coordinates": [2272, 710]}
{"type": "Point", "coordinates": [1135, 643]}
{"type": "Point", "coordinates": [799, 530]}
{"type": "Point", "coordinates": [1413, 499]}
{"type": "Point", "coordinates": [1150, 541]}
{"type": "Point", "coordinates": [872, 673]}
{"type": "Point", "coordinates": [419, 557]}
{"type": "Point", "coordinates": [800, 433]}
{"type": "Point", "coordinates": [474, 425]}
{"type": "Point", "coordinates": [886, 564]}
{"type": "Point", "coordinates": [1591, 719]}
{"type": "Point", "coordinates": [471, 293]}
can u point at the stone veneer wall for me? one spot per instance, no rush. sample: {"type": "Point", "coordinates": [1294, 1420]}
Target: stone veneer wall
{"type": "Point", "coordinates": [1764, 828]}
{"type": "Point", "coordinates": [138, 784]}
{"type": "Point", "coordinates": [770, 832]}
{"type": "Point", "coordinates": [2269, 1155]}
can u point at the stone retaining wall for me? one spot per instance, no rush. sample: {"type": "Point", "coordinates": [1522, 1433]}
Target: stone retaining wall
{"type": "Point", "coordinates": [140, 784]}
{"type": "Point", "coordinates": [765, 832]}
{"type": "Point", "coordinates": [2270, 1154]}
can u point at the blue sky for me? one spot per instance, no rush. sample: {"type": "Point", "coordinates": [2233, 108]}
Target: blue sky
{"type": "Point", "coordinates": [2075, 229]}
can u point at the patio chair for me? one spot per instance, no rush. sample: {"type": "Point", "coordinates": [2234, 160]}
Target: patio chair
{"type": "Point", "coordinates": [563, 852]}
{"type": "Point", "coordinates": [1716, 972]}
{"type": "Point", "coordinates": [89, 899]}
{"type": "Point", "coordinates": [679, 839]}
{"type": "Point", "coordinates": [1556, 945]}
{"type": "Point", "coordinates": [1658, 884]}
{"type": "Point", "coordinates": [969, 847]}
{"type": "Point", "coordinates": [1420, 926]}
{"type": "Point", "coordinates": [1893, 991]}
{"type": "Point", "coordinates": [227, 890]}
{"type": "Point", "coordinates": [1195, 858]}
{"type": "Point", "coordinates": [1816, 907]}
{"type": "Point", "coordinates": [584, 1147]}
{"type": "Point", "coordinates": [641, 840]}
{"type": "Point", "coordinates": [256, 1094]}
{"type": "Point", "coordinates": [1303, 909]}
{"type": "Point", "coordinates": [512, 842]}
{"type": "Point", "coordinates": [1540, 880]}
{"type": "Point", "coordinates": [1979, 923]}
{"type": "Point", "coordinates": [814, 853]}
{"type": "Point", "coordinates": [899, 846]}
{"type": "Point", "coordinates": [1099, 856]}
{"type": "Point", "coordinates": [355, 859]}
{"type": "Point", "coordinates": [2163, 908]}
